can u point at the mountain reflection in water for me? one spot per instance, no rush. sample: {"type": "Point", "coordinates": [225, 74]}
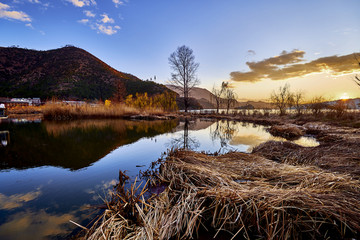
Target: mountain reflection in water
{"type": "Point", "coordinates": [73, 145]}
{"type": "Point", "coordinates": [40, 190]}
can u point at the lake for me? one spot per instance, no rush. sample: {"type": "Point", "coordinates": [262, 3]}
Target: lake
{"type": "Point", "coordinates": [53, 172]}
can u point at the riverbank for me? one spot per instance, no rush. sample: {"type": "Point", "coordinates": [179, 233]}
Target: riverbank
{"type": "Point", "coordinates": [280, 190]}
{"type": "Point", "coordinates": [66, 112]}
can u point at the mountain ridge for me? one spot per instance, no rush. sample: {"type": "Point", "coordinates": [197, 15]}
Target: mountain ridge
{"type": "Point", "coordinates": [205, 98]}
{"type": "Point", "coordinates": [68, 73]}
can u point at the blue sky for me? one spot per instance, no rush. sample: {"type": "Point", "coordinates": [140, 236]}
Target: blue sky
{"type": "Point", "coordinates": [138, 36]}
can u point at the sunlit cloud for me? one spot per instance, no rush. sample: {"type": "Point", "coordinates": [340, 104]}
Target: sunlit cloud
{"type": "Point", "coordinates": [35, 225]}
{"type": "Point", "coordinates": [118, 3]}
{"type": "Point", "coordinates": [89, 13]}
{"type": "Point", "coordinates": [29, 25]}
{"type": "Point", "coordinates": [17, 200]}
{"type": "Point", "coordinates": [6, 13]}
{"type": "Point", "coordinates": [108, 30]}
{"type": "Point", "coordinates": [106, 19]}
{"type": "Point", "coordinates": [84, 21]}
{"type": "Point", "coordinates": [287, 65]}
{"type": "Point", "coordinates": [105, 188]}
{"type": "Point", "coordinates": [250, 140]}
{"type": "Point", "coordinates": [82, 3]}
{"type": "Point", "coordinates": [35, 1]}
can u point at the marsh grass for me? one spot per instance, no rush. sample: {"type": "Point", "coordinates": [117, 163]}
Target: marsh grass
{"type": "Point", "coordinates": [59, 111]}
{"type": "Point", "coordinates": [245, 195]}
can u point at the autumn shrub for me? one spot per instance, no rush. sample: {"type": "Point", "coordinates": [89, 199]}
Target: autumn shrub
{"type": "Point", "coordinates": [165, 101]}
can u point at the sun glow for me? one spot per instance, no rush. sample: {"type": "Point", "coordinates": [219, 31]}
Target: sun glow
{"type": "Point", "coordinates": [344, 96]}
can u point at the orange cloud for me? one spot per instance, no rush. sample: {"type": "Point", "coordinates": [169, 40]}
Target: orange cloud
{"type": "Point", "coordinates": [287, 65]}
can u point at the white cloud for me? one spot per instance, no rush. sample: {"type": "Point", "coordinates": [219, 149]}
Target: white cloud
{"type": "Point", "coordinates": [106, 19]}
{"type": "Point", "coordinates": [35, 1]}
{"type": "Point", "coordinates": [29, 25]}
{"type": "Point", "coordinates": [108, 30]}
{"type": "Point", "coordinates": [84, 21]}
{"type": "Point", "coordinates": [17, 15]}
{"type": "Point", "coordinates": [89, 13]}
{"type": "Point", "coordinates": [82, 3]}
{"type": "Point", "coordinates": [117, 27]}
{"type": "Point", "coordinates": [118, 3]}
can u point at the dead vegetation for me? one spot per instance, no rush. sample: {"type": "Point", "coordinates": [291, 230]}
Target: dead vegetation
{"type": "Point", "coordinates": [339, 150]}
{"type": "Point", "coordinates": [57, 111]}
{"type": "Point", "coordinates": [287, 131]}
{"type": "Point", "coordinates": [244, 195]}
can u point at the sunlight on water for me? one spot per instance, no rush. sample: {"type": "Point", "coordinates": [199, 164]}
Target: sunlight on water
{"type": "Point", "coordinates": [50, 172]}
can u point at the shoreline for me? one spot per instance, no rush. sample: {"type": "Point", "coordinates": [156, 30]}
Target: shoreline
{"type": "Point", "coordinates": [278, 190]}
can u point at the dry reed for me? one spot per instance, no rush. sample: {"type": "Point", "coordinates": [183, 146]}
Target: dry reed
{"type": "Point", "coordinates": [57, 111]}
{"type": "Point", "coordinates": [287, 131]}
{"type": "Point", "coordinates": [242, 194]}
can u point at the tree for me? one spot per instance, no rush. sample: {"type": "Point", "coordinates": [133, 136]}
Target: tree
{"type": "Point", "coordinates": [317, 103]}
{"type": "Point", "coordinates": [230, 97]}
{"type": "Point", "coordinates": [282, 98]}
{"type": "Point", "coordinates": [357, 78]}
{"type": "Point", "coordinates": [216, 95]}
{"type": "Point", "coordinates": [298, 100]}
{"type": "Point", "coordinates": [184, 67]}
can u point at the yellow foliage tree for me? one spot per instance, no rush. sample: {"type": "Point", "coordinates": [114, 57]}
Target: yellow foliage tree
{"type": "Point", "coordinates": [165, 101]}
{"type": "Point", "coordinates": [107, 103]}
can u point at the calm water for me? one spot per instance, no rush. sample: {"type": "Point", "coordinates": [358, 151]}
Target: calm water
{"type": "Point", "coordinates": [51, 172]}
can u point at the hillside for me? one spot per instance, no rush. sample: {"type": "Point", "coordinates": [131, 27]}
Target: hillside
{"type": "Point", "coordinates": [205, 98]}
{"type": "Point", "coordinates": [66, 73]}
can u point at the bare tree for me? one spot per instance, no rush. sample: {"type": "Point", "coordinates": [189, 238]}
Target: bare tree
{"type": "Point", "coordinates": [184, 67]}
{"type": "Point", "coordinates": [230, 97]}
{"type": "Point", "coordinates": [298, 100]}
{"type": "Point", "coordinates": [216, 95]}
{"type": "Point", "coordinates": [357, 78]}
{"type": "Point", "coordinates": [282, 98]}
{"type": "Point", "coordinates": [317, 104]}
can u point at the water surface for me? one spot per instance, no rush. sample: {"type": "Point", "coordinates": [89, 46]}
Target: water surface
{"type": "Point", "coordinates": [52, 172]}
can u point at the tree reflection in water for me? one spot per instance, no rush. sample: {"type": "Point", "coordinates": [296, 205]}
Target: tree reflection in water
{"type": "Point", "coordinates": [185, 141]}
{"type": "Point", "coordinates": [224, 131]}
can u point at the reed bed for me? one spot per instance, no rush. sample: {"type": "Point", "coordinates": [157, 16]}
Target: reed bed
{"type": "Point", "coordinates": [335, 154]}
{"type": "Point", "coordinates": [57, 111]}
{"type": "Point", "coordinates": [287, 131]}
{"type": "Point", "coordinates": [244, 195]}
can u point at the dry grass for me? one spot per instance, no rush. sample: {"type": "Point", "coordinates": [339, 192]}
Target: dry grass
{"type": "Point", "coordinates": [242, 194]}
{"type": "Point", "coordinates": [339, 150]}
{"type": "Point", "coordinates": [287, 131]}
{"type": "Point", "coordinates": [55, 111]}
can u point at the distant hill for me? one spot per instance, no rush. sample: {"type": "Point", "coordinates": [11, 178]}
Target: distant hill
{"type": "Point", "coordinates": [353, 103]}
{"type": "Point", "coordinates": [205, 98]}
{"type": "Point", "coordinates": [66, 73]}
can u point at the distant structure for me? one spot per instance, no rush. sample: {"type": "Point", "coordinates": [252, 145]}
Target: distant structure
{"type": "Point", "coordinates": [2, 111]}
{"type": "Point", "coordinates": [14, 102]}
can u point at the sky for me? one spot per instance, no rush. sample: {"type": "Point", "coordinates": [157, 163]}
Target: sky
{"type": "Point", "coordinates": [256, 45]}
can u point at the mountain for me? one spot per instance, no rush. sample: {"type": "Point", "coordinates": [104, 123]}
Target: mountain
{"type": "Point", "coordinates": [205, 98]}
{"type": "Point", "coordinates": [66, 73]}
{"type": "Point", "coordinates": [202, 95]}
{"type": "Point", "coordinates": [352, 103]}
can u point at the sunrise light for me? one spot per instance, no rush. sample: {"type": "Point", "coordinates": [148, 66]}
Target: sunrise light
{"type": "Point", "coordinates": [344, 96]}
